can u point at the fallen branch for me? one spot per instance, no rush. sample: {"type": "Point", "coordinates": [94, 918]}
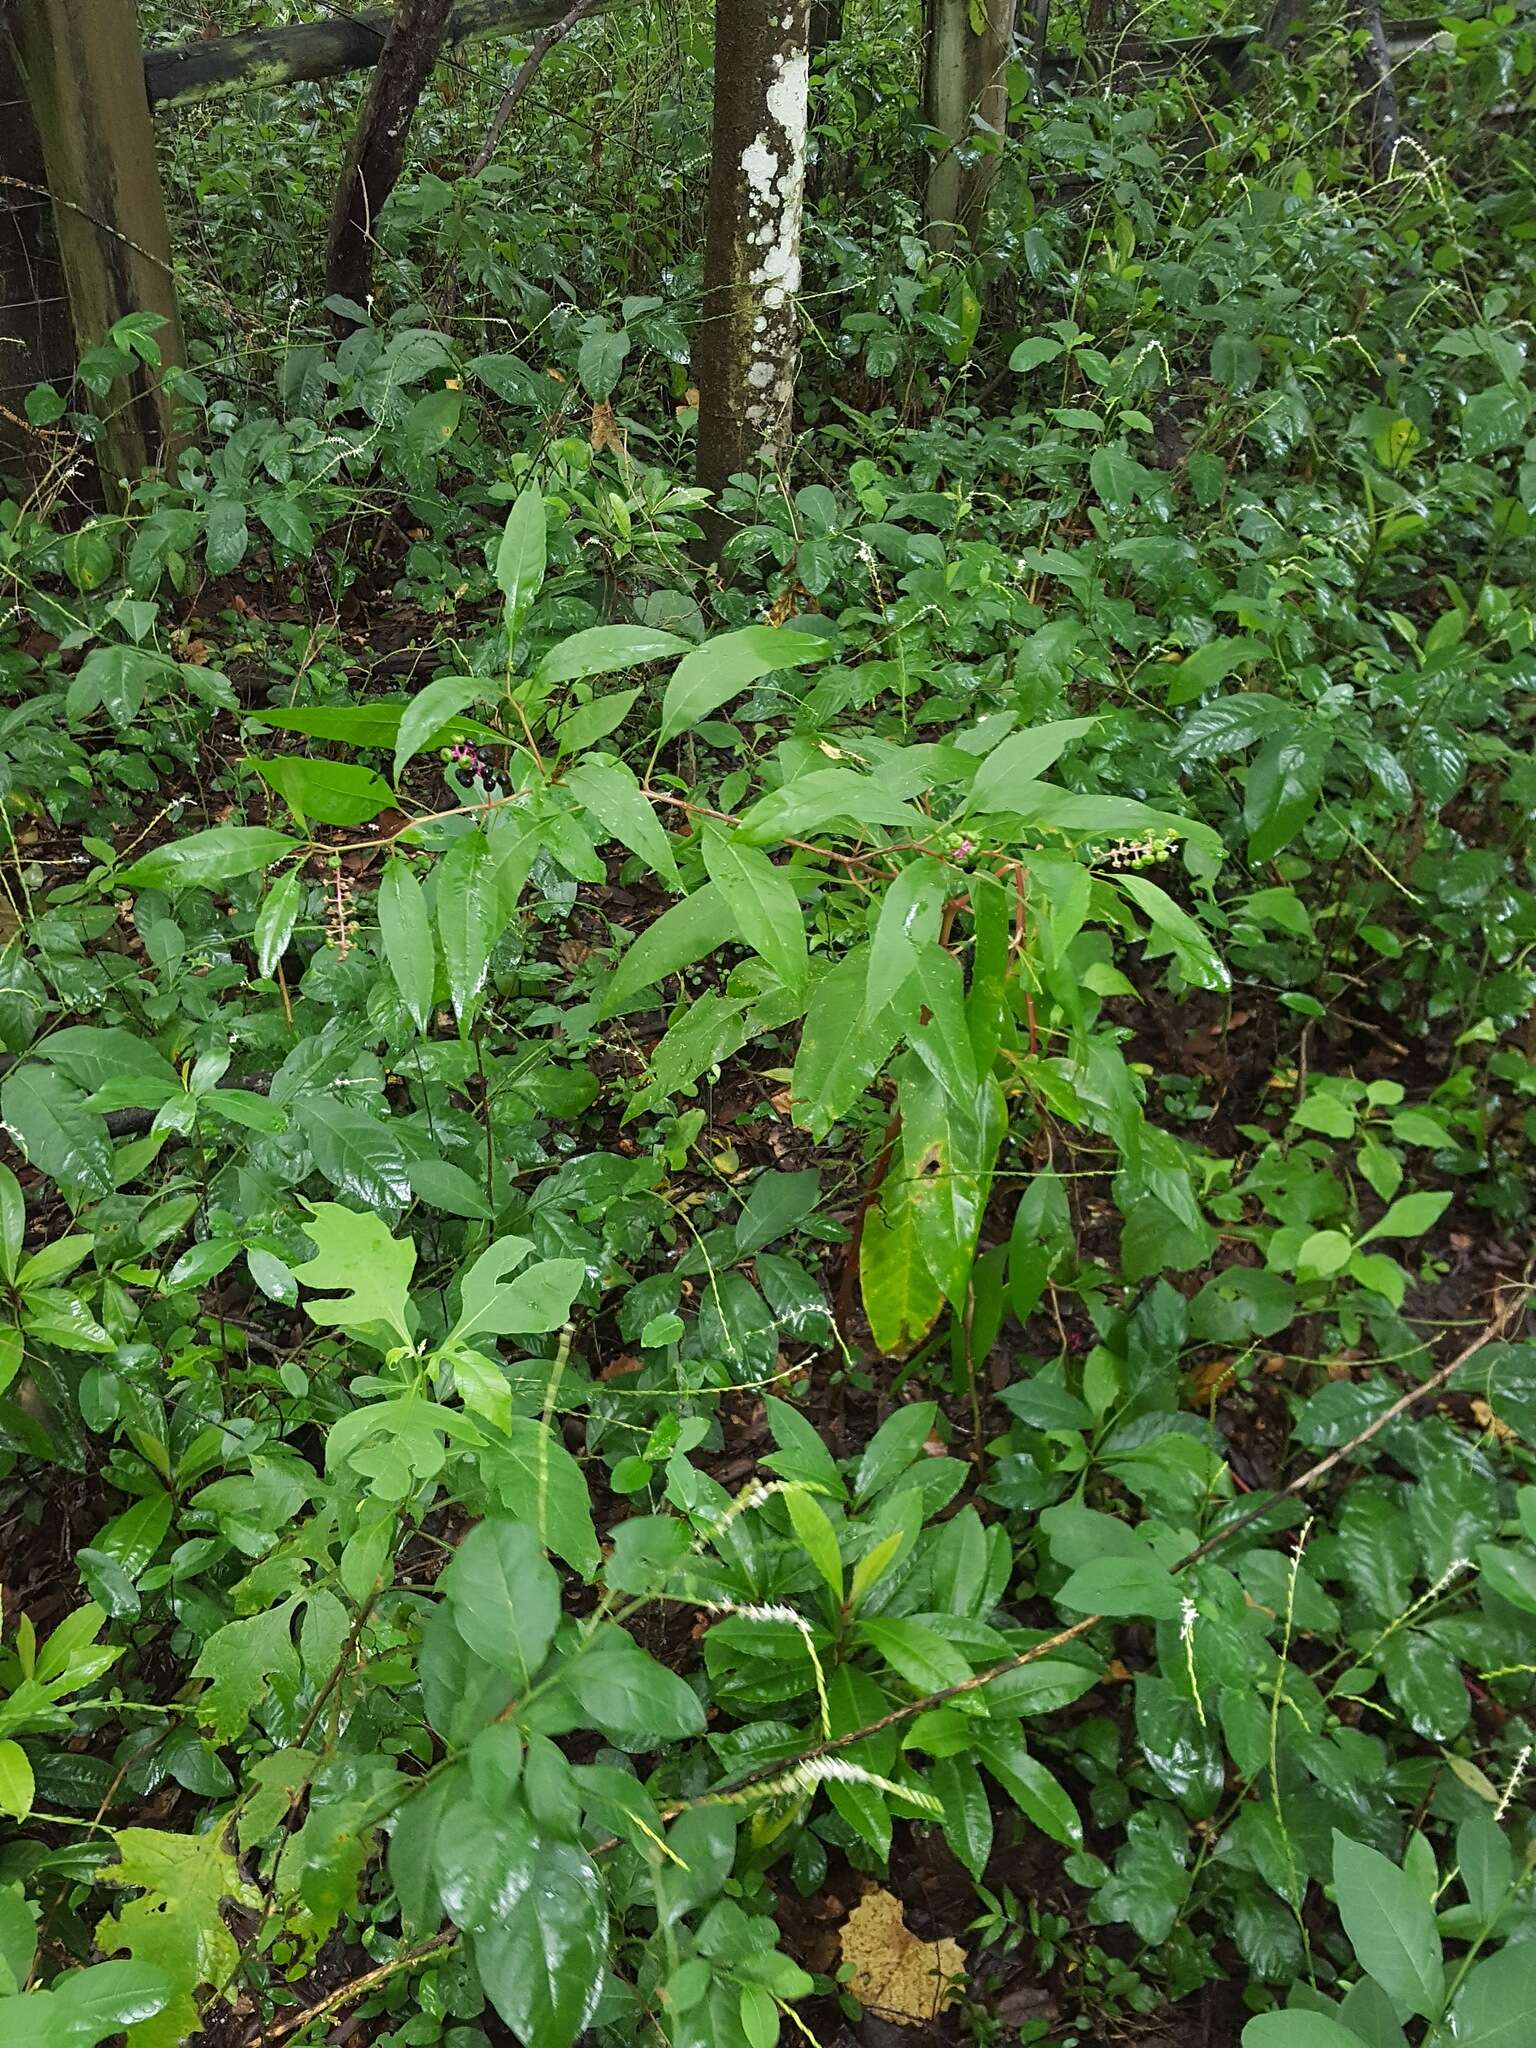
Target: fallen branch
{"type": "Point", "coordinates": [555, 33]}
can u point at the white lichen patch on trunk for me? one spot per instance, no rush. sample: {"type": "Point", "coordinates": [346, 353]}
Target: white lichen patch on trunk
{"type": "Point", "coordinates": [747, 350]}
{"type": "Point", "coordinates": [773, 173]}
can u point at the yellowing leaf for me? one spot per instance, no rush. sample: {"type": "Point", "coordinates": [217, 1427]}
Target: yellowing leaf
{"type": "Point", "coordinates": [177, 1924]}
{"type": "Point", "coordinates": [901, 1299]}
{"type": "Point", "coordinates": [896, 1975]}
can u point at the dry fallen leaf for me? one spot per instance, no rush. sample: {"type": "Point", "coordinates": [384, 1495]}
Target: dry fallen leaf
{"type": "Point", "coordinates": [1486, 1419]}
{"type": "Point", "coordinates": [605, 429]}
{"type": "Point", "coordinates": [896, 1975]}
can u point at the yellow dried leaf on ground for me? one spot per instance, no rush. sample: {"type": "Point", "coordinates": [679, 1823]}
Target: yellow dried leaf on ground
{"type": "Point", "coordinates": [896, 1974]}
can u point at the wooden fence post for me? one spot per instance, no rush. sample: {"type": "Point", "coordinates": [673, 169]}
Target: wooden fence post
{"type": "Point", "coordinates": [84, 74]}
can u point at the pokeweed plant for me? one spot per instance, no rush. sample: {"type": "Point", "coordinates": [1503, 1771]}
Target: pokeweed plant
{"type": "Point", "coordinates": [938, 913]}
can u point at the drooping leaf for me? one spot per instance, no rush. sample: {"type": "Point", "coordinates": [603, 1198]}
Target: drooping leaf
{"type": "Point", "coordinates": [711, 675]}
{"type": "Point", "coordinates": [406, 931]}
{"type": "Point", "coordinates": [428, 712]}
{"type": "Point", "coordinates": [763, 902]}
{"type": "Point", "coordinates": [608, 791]}
{"type": "Point", "coordinates": [682, 934]}
{"type": "Point", "coordinates": [205, 859]}
{"type": "Point", "coordinates": [325, 792]}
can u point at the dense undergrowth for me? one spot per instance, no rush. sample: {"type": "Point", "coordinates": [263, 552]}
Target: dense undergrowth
{"type": "Point", "coordinates": [617, 1185]}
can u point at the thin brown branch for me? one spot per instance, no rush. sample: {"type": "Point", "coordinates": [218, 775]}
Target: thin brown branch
{"type": "Point", "coordinates": [1491, 1333]}
{"type": "Point", "coordinates": [556, 33]}
{"type": "Point", "coordinates": [357, 1988]}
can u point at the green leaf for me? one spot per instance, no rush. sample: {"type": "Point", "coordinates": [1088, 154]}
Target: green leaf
{"type": "Point", "coordinates": [1177, 933]}
{"type": "Point", "coordinates": [817, 1538]}
{"type": "Point", "coordinates": [275, 921]}
{"type": "Point", "coordinates": [521, 556]}
{"type": "Point", "coordinates": [895, 1445]}
{"type": "Point", "coordinates": [17, 1788]}
{"type": "Point", "coordinates": [413, 1849]}
{"type": "Point", "coordinates": [600, 359]}
{"type": "Point", "coordinates": [13, 1223]}
{"type": "Point", "coordinates": [206, 859]}
{"type": "Point", "coordinates": [504, 1596]}
{"type": "Point", "coordinates": [1031, 354]}
{"type": "Point", "coordinates": [544, 1962]}
{"type": "Point", "coordinates": [1424, 1679]}
{"type": "Point", "coordinates": [1410, 1216]}
{"type": "Point", "coordinates": [949, 1142]}
{"type": "Point", "coordinates": [910, 914]}
{"type": "Point", "coordinates": [1284, 781]}
{"type": "Point", "coordinates": [956, 1782]}
{"type": "Point", "coordinates": [837, 1062]}
{"type": "Point", "coordinates": [357, 1154]}
{"type": "Point", "coordinates": [774, 1205]}
{"type": "Point", "coordinates": [327, 792]}
{"type": "Point", "coordinates": [406, 931]}
{"type": "Point", "coordinates": [1325, 1252]}
{"type": "Point", "coordinates": [427, 713]}
{"type": "Point", "coordinates": [901, 1298]}
{"type": "Point", "coordinates": [357, 1255]}
{"type": "Point", "coordinates": [492, 1305]}
{"type": "Point", "coordinates": [1020, 758]}
{"type": "Point", "coordinates": [711, 675]}
{"type": "Point", "coordinates": [1208, 665]}
{"type": "Point", "coordinates": [589, 723]}
{"type": "Point", "coordinates": [1123, 1586]}
{"type": "Point", "coordinates": [1496, 2005]}
{"type": "Point", "coordinates": [763, 902]}
{"type": "Point", "coordinates": [240, 1661]}
{"type": "Point", "coordinates": [1038, 1795]}
{"type": "Point", "coordinates": [471, 916]}
{"type": "Point", "coordinates": [608, 791]}
{"type": "Point", "coordinates": [432, 422]}
{"type": "Point", "coordinates": [1390, 1920]}
{"type": "Point", "coordinates": [605, 650]}
{"type": "Point", "coordinates": [1298, 2029]}
{"type": "Point", "coordinates": [1494, 419]}
{"type": "Point", "coordinates": [683, 933]}
{"type": "Point", "coordinates": [177, 1925]}
{"type": "Point", "coordinates": [83, 2007]}
{"type": "Point", "coordinates": [536, 1479]}
{"type": "Point", "coordinates": [636, 1702]}
{"type": "Point", "coordinates": [46, 1115]}
{"type": "Point", "coordinates": [920, 1656]}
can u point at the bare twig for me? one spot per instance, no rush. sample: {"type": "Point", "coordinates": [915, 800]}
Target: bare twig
{"type": "Point", "coordinates": [357, 1988]}
{"type": "Point", "coordinates": [556, 33]}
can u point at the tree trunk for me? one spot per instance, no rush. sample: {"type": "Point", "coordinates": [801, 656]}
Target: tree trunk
{"type": "Point", "coordinates": [1378, 90]}
{"type": "Point", "coordinates": [965, 79]}
{"type": "Point", "coordinates": [748, 345]}
{"type": "Point", "coordinates": [83, 71]}
{"type": "Point", "coordinates": [1039, 25]}
{"type": "Point", "coordinates": [377, 148]}
{"type": "Point", "coordinates": [826, 24]}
